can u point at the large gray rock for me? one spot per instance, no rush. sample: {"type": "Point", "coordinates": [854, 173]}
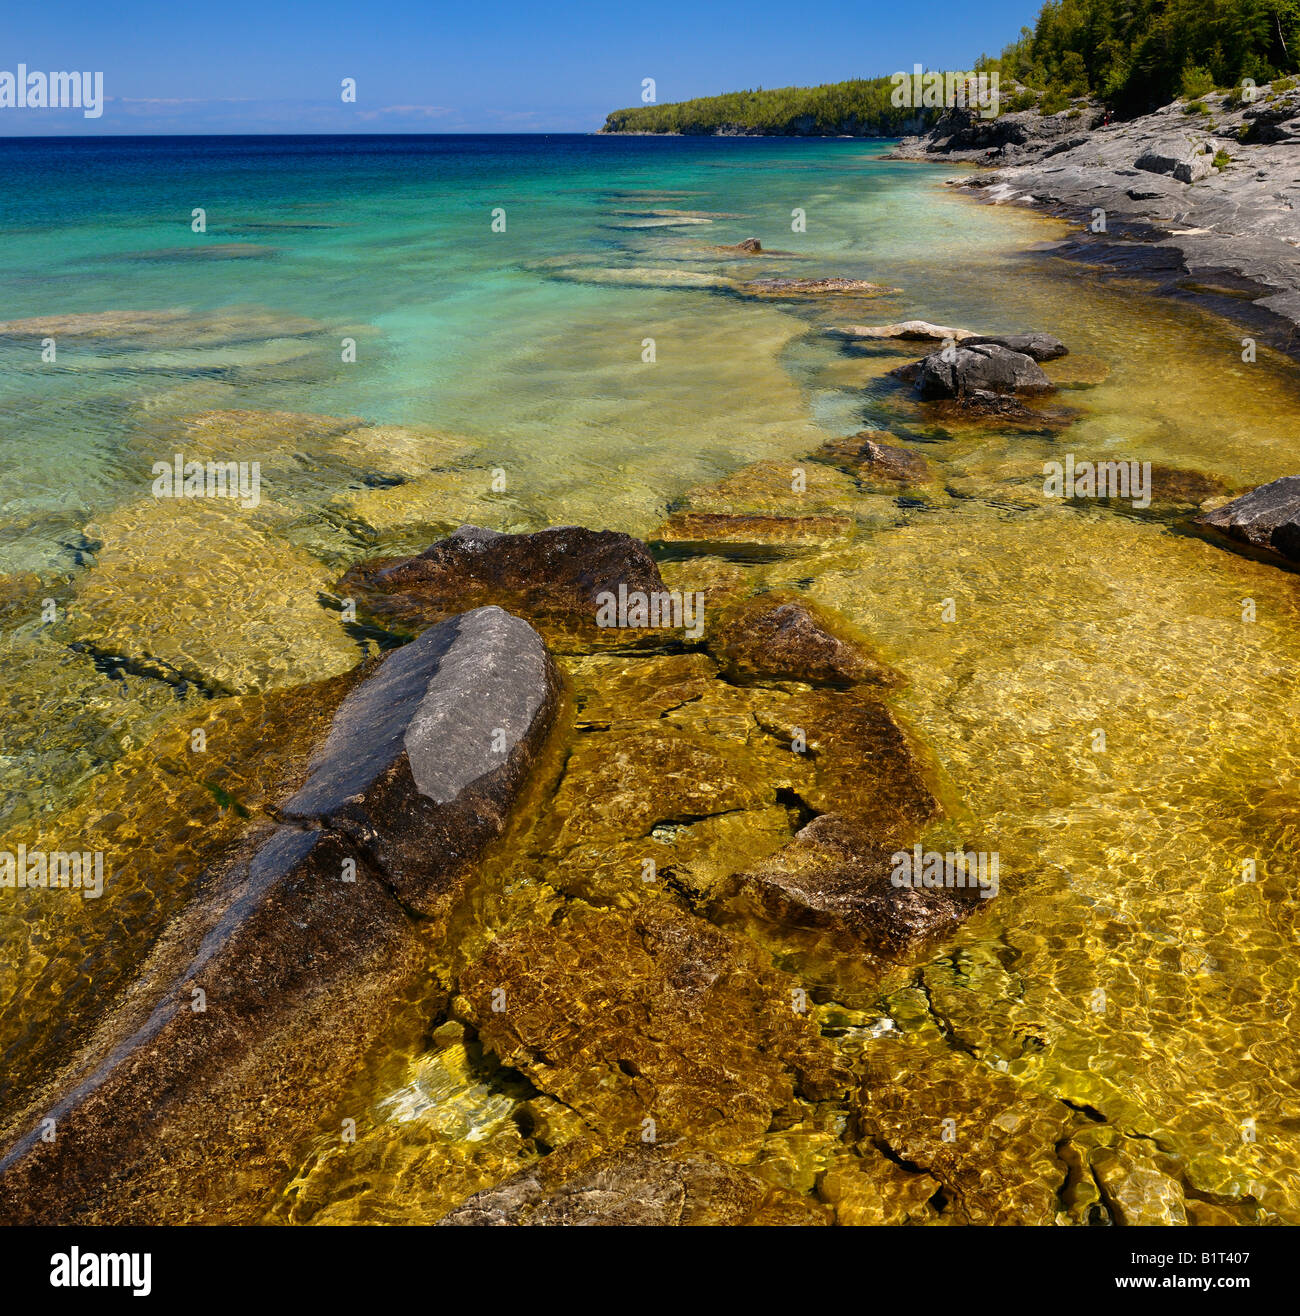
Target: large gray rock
{"type": "Point", "coordinates": [1042, 347]}
{"type": "Point", "coordinates": [971, 372]}
{"type": "Point", "coordinates": [1266, 518]}
{"type": "Point", "coordinates": [423, 760]}
{"type": "Point", "coordinates": [262, 999]}
{"type": "Point", "coordinates": [1185, 160]}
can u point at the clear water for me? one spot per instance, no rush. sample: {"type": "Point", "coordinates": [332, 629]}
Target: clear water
{"type": "Point", "coordinates": [526, 348]}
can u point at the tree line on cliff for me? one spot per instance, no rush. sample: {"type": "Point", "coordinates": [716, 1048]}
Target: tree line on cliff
{"type": "Point", "coordinates": [1135, 55]}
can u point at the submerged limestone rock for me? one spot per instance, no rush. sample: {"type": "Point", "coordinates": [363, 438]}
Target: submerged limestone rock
{"type": "Point", "coordinates": [619, 690]}
{"type": "Point", "coordinates": [192, 789]}
{"type": "Point", "coordinates": [1131, 1182]}
{"type": "Point", "coordinates": [990, 1143]}
{"type": "Point", "coordinates": [876, 459]}
{"type": "Point", "coordinates": [671, 786]}
{"type": "Point", "coordinates": [905, 329]}
{"type": "Point", "coordinates": [165, 328]}
{"type": "Point", "coordinates": [622, 783]}
{"type": "Point", "coordinates": [408, 516]}
{"type": "Point", "coordinates": [255, 1006]}
{"type": "Point", "coordinates": [864, 766]}
{"type": "Point", "coordinates": [642, 276]}
{"type": "Point", "coordinates": [649, 1015]}
{"type": "Point", "coordinates": [765, 509]}
{"type": "Point", "coordinates": [1182, 488]}
{"type": "Point", "coordinates": [291, 445]}
{"type": "Point", "coordinates": [560, 577]}
{"type": "Point", "coordinates": [782, 639]}
{"type": "Point", "coordinates": [836, 880]}
{"type": "Point", "coordinates": [866, 1188]}
{"type": "Point", "coordinates": [786, 488]}
{"type": "Point", "coordinates": [750, 536]}
{"type": "Point", "coordinates": [797, 288]}
{"type": "Point", "coordinates": [636, 1185]}
{"type": "Point", "coordinates": [1267, 518]}
{"type": "Point", "coordinates": [204, 590]}
{"type": "Point", "coordinates": [265, 995]}
{"type": "Point", "coordinates": [1078, 370]}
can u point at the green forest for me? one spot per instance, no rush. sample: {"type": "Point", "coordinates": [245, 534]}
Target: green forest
{"type": "Point", "coordinates": [1135, 55]}
{"type": "Point", "coordinates": [861, 108]}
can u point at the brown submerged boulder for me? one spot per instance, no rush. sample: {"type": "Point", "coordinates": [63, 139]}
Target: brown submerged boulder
{"type": "Point", "coordinates": [650, 1023]}
{"type": "Point", "coordinates": [782, 639]}
{"type": "Point", "coordinates": [864, 765]}
{"type": "Point", "coordinates": [835, 879]}
{"type": "Point", "coordinates": [553, 577]}
{"type": "Point", "coordinates": [264, 996]}
{"type": "Point", "coordinates": [1173, 487]}
{"type": "Point", "coordinates": [637, 1185]}
{"type": "Point", "coordinates": [874, 457]}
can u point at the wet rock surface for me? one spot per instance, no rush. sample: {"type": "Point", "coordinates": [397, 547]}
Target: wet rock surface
{"type": "Point", "coordinates": [765, 509]}
{"type": "Point", "coordinates": [991, 1145]}
{"type": "Point", "coordinates": [750, 535]}
{"type": "Point", "coordinates": [835, 878]}
{"type": "Point", "coordinates": [303, 936]}
{"type": "Point", "coordinates": [424, 758]}
{"type": "Point", "coordinates": [651, 1014]}
{"type": "Point", "coordinates": [634, 1186]}
{"type": "Point", "coordinates": [875, 459]}
{"type": "Point", "coordinates": [195, 552]}
{"type": "Point", "coordinates": [1041, 347]}
{"type": "Point", "coordinates": [556, 577]}
{"type": "Point", "coordinates": [1267, 518]}
{"type": "Point", "coordinates": [789, 287]}
{"type": "Point", "coordinates": [903, 329]}
{"type": "Point", "coordinates": [973, 372]}
{"type": "Point", "coordinates": [775, 638]}
{"type": "Point", "coordinates": [1186, 199]}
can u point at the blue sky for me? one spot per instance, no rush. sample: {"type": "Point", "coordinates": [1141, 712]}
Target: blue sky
{"type": "Point", "coordinates": [474, 66]}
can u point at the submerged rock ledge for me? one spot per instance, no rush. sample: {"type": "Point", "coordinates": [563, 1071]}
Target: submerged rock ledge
{"type": "Point", "coordinates": [682, 1005]}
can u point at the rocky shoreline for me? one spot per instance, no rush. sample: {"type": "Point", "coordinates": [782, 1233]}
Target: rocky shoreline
{"type": "Point", "coordinates": [1202, 197]}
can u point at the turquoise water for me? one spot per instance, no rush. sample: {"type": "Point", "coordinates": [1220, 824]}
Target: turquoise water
{"type": "Point", "coordinates": [390, 241]}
